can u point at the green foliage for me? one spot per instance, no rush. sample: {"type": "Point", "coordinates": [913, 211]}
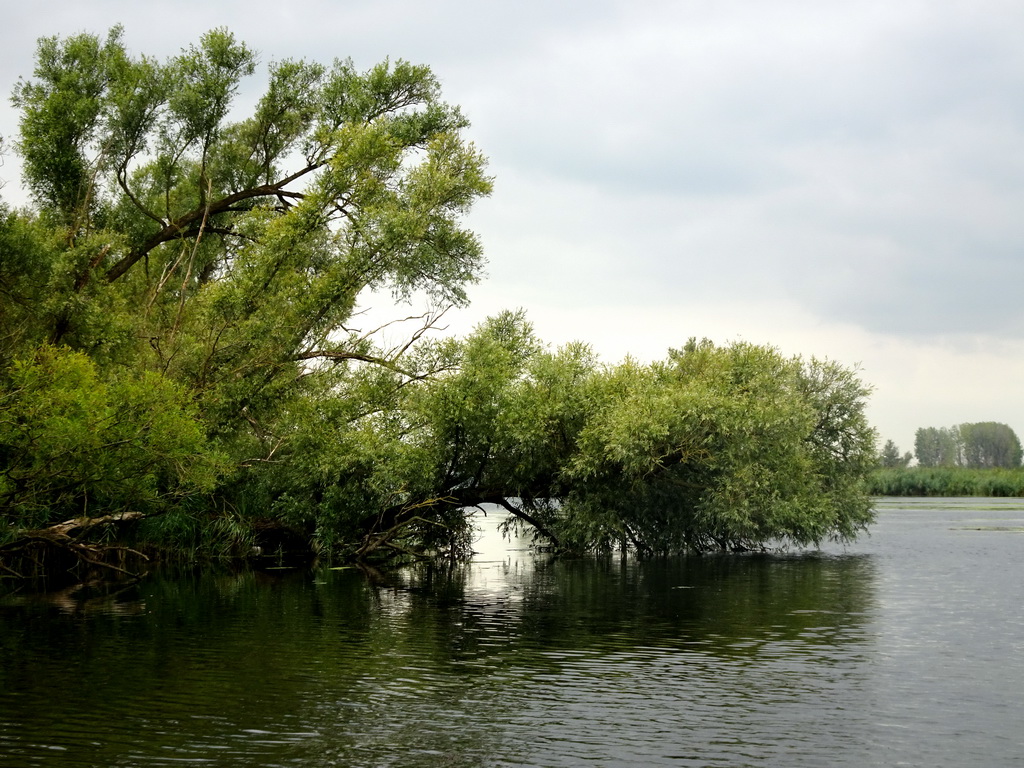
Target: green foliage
{"type": "Point", "coordinates": [73, 444]}
{"type": "Point", "coordinates": [979, 445]}
{"type": "Point", "coordinates": [62, 107]}
{"type": "Point", "coordinates": [340, 182]}
{"type": "Point", "coordinates": [937, 447]}
{"type": "Point", "coordinates": [731, 447]}
{"type": "Point", "coordinates": [177, 249]}
{"type": "Point", "coordinates": [28, 262]}
{"type": "Point", "coordinates": [946, 481]}
{"type": "Point", "coordinates": [178, 335]}
{"type": "Point", "coordinates": [989, 444]}
{"type": "Point", "coordinates": [890, 456]}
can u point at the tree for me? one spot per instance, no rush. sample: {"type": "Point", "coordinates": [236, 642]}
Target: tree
{"type": "Point", "coordinates": [70, 439]}
{"type": "Point", "coordinates": [890, 456]}
{"type": "Point", "coordinates": [976, 445]}
{"type": "Point", "coordinates": [734, 448]}
{"type": "Point", "coordinates": [174, 246]}
{"type": "Point", "coordinates": [935, 447]}
{"type": "Point", "coordinates": [731, 448]}
{"type": "Point", "coordinates": [187, 287]}
{"type": "Point", "coordinates": [240, 246]}
{"type": "Point", "coordinates": [989, 444]}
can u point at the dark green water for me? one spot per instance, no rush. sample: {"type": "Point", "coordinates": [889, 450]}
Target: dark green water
{"type": "Point", "coordinates": [904, 649]}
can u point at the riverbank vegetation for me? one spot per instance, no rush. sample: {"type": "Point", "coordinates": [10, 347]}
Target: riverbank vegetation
{"type": "Point", "coordinates": [946, 481]}
{"type": "Point", "coordinates": [184, 368]}
{"type": "Point", "coordinates": [973, 459]}
{"type": "Point", "coordinates": [977, 445]}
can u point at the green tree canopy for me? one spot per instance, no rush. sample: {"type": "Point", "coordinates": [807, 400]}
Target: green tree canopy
{"type": "Point", "coordinates": [937, 447]}
{"type": "Point", "coordinates": [266, 229]}
{"type": "Point", "coordinates": [733, 447]}
{"type": "Point", "coordinates": [185, 294]}
{"type": "Point", "coordinates": [177, 247]}
{"type": "Point", "coordinates": [976, 445]}
{"type": "Point", "coordinates": [890, 457]}
{"type": "Point", "coordinates": [229, 255]}
{"type": "Point", "coordinates": [990, 444]}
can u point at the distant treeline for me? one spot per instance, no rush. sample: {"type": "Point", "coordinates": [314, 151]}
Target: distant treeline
{"type": "Point", "coordinates": [946, 481]}
{"type": "Point", "coordinates": [981, 445]}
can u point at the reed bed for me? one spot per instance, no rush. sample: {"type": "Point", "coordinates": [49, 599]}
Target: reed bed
{"type": "Point", "coordinates": [946, 481]}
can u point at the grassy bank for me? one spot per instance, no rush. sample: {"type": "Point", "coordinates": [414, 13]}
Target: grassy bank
{"type": "Point", "coordinates": [946, 481]}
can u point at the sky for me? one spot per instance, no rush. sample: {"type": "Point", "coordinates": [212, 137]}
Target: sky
{"type": "Point", "coordinates": [834, 179]}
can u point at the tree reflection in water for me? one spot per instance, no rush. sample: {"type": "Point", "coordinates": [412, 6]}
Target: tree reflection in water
{"type": "Point", "coordinates": [518, 659]}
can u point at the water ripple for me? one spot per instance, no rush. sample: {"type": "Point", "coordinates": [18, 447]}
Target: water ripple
{"type": "Point", "coordinates": [899, 650]}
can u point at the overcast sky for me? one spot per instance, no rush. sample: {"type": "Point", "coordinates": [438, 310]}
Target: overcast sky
{"type": "Point", "coordinates": [837, 179]}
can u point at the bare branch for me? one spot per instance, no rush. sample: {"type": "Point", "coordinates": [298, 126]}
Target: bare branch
{"type": "Point", "coordinates": [342, 355]}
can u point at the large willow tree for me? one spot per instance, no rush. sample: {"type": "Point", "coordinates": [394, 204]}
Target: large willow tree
{"type": "Point", "coordinates": [222, 254]}
{"type": "Point", "coordinates": [180, 358]}
{"type": "Point", "coordinates": [714, 448]}
{"type": "Point", "coordinates": [733, 448]}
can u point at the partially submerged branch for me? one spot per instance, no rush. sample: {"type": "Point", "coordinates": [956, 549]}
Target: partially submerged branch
{"type": "Point", "coordinates": [526, 517]}
{"type": "Point", "coordinates": [30, 547]}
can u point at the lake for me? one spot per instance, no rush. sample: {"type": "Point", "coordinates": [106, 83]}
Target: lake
{"type": "Point", "coordinates": [903, 649]}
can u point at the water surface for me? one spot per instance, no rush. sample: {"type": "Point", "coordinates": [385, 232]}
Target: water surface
{"type": "Point", "coordinates": [902, 649]}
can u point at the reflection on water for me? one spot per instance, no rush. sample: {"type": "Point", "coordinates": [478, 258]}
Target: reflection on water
{"type": "Point", "coordinates": [902, 650]}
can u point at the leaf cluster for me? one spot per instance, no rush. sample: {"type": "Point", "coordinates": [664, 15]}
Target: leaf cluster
{"type": "Point", "coordinates": [72, 442]}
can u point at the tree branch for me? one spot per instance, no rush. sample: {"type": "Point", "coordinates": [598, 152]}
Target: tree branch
{"type": "Point", "coordinates": [338, 356]}
{"type": "Point", "coordinates": [526, 517]}
{"type": "Point", "coordinates": [179, 226]}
